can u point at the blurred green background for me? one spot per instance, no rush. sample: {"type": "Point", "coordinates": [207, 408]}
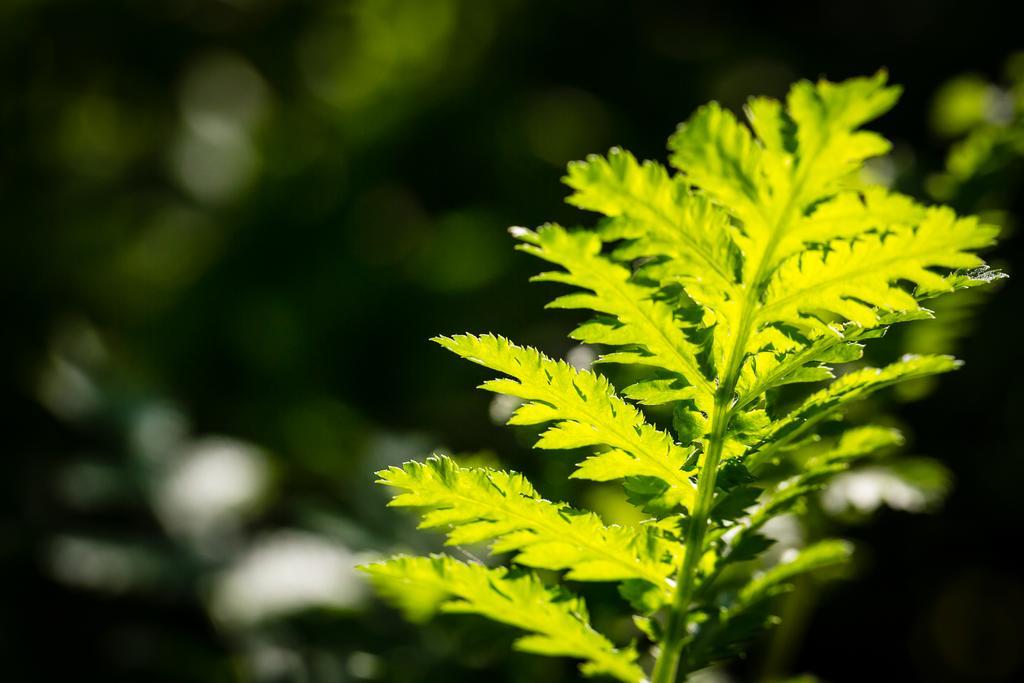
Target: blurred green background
{"type": "Point", "coordinates": [231, 226]}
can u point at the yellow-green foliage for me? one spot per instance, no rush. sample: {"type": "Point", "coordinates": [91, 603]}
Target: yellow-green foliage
{"type": "Point", "coordinates": [761, 261]}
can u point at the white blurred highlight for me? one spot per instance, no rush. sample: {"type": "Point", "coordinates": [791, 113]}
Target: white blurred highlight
{"type": "Point", "coordinates": [581, 357]}
{"type": "Point", "coordinates": [100, 565]}
{"type": "Point", "coordinates": [868, 489]}
{"type": "Point", "coordinates": [286, 572]}
{"type": "Point", "coordinates": [502, 406]}
{"type": "Point", "coordinates": [210, 486]}
{"type": "Point", "coordinates": [222, 98]}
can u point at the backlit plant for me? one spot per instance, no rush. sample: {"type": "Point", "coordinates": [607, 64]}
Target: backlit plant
{"type": "Point", "coordinates": [763, 261]}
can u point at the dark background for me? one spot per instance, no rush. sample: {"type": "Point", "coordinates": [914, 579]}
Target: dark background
{"type": "Point", "coordinates": [245, 219]}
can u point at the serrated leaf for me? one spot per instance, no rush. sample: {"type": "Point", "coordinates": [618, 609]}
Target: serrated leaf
{"type": "Point", "coordinates": [850, 214]}
{"type": "Point", "coordinates": [827, 116]}
{"type": "Point", "coordinates": [719, 155]}
{"type": "Point", "coordinates": [660, 217]}
{"type": "Point", "coordinates": [586, 412]}
{"type": "Point", "coordinates": [814, 474]}
{"type": "Point", "coordinates": [765, 262]}
{"type": "Point", "coordinates": [859, 441]}
{"type": "Point", "coordinates": [850, 387]}
{"type": "Point", "coordinates": [646, 326]}
{"type": "Point", "coordinates": [818, 556]}
{"type": "Point", "coordinates": [725, 631]}
{"type": "Point", "coordinates": [859, 279]}
{"type": "Point", "coordinates": [479, 504]}
{"type": "Point", "coordinates": [556, 621]}
{"type": "Point", "coordinates": [734, 503]}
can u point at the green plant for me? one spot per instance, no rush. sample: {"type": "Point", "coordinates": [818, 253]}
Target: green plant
{"type": "Point", "coordinates": [759, 265]}
{"type": "Point", "coordinates": [985, 121]}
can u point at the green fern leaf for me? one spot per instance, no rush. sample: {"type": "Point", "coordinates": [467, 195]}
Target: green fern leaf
{"type": "Point", "coordinates": [660, 216]}
{"type": "Point", "coordinates": [557, 622]}
{"type": "Point", "coordinates": [478, 504]}
{"type": "Point", "coordinates": [724, 631]}
{"type": "Point", "coordinates": [586, 412]}
{"type": "Point", "coordinates": [851, 387]}
{"type": "Point", "coordinates": [858, 280]}
{"type": "Point", "coordinates": [829, 146]}
{"type": "Point", "coordinates": [763, 264]}
{"type": "Point", "coordinates": [852, 445]}
{"type": "Point", "coordinates": [647, 326]}
{"type": "Point", "coordinates": [818, 556]}
{"type": "Point", "coordinates": [719, 155]}
{"type": "Point", "coordinates": [848, 215]}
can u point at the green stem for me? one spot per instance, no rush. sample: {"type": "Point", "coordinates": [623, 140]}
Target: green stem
{"type": "Point", "coordinates": [666, 668]}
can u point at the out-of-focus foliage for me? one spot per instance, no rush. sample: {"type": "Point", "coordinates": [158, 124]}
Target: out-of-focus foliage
{"type": "Point", "coordinates": [215, 211]}
{"type": "Point", "coordinates": [231, 188]}
{"type": "Point", "coordinates": [762, 264]}
{"type": "Point", "coordinates": [987, 122]}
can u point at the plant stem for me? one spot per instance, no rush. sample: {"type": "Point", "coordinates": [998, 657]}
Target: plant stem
{"type": "Point", "coordinates": [667, 666]}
